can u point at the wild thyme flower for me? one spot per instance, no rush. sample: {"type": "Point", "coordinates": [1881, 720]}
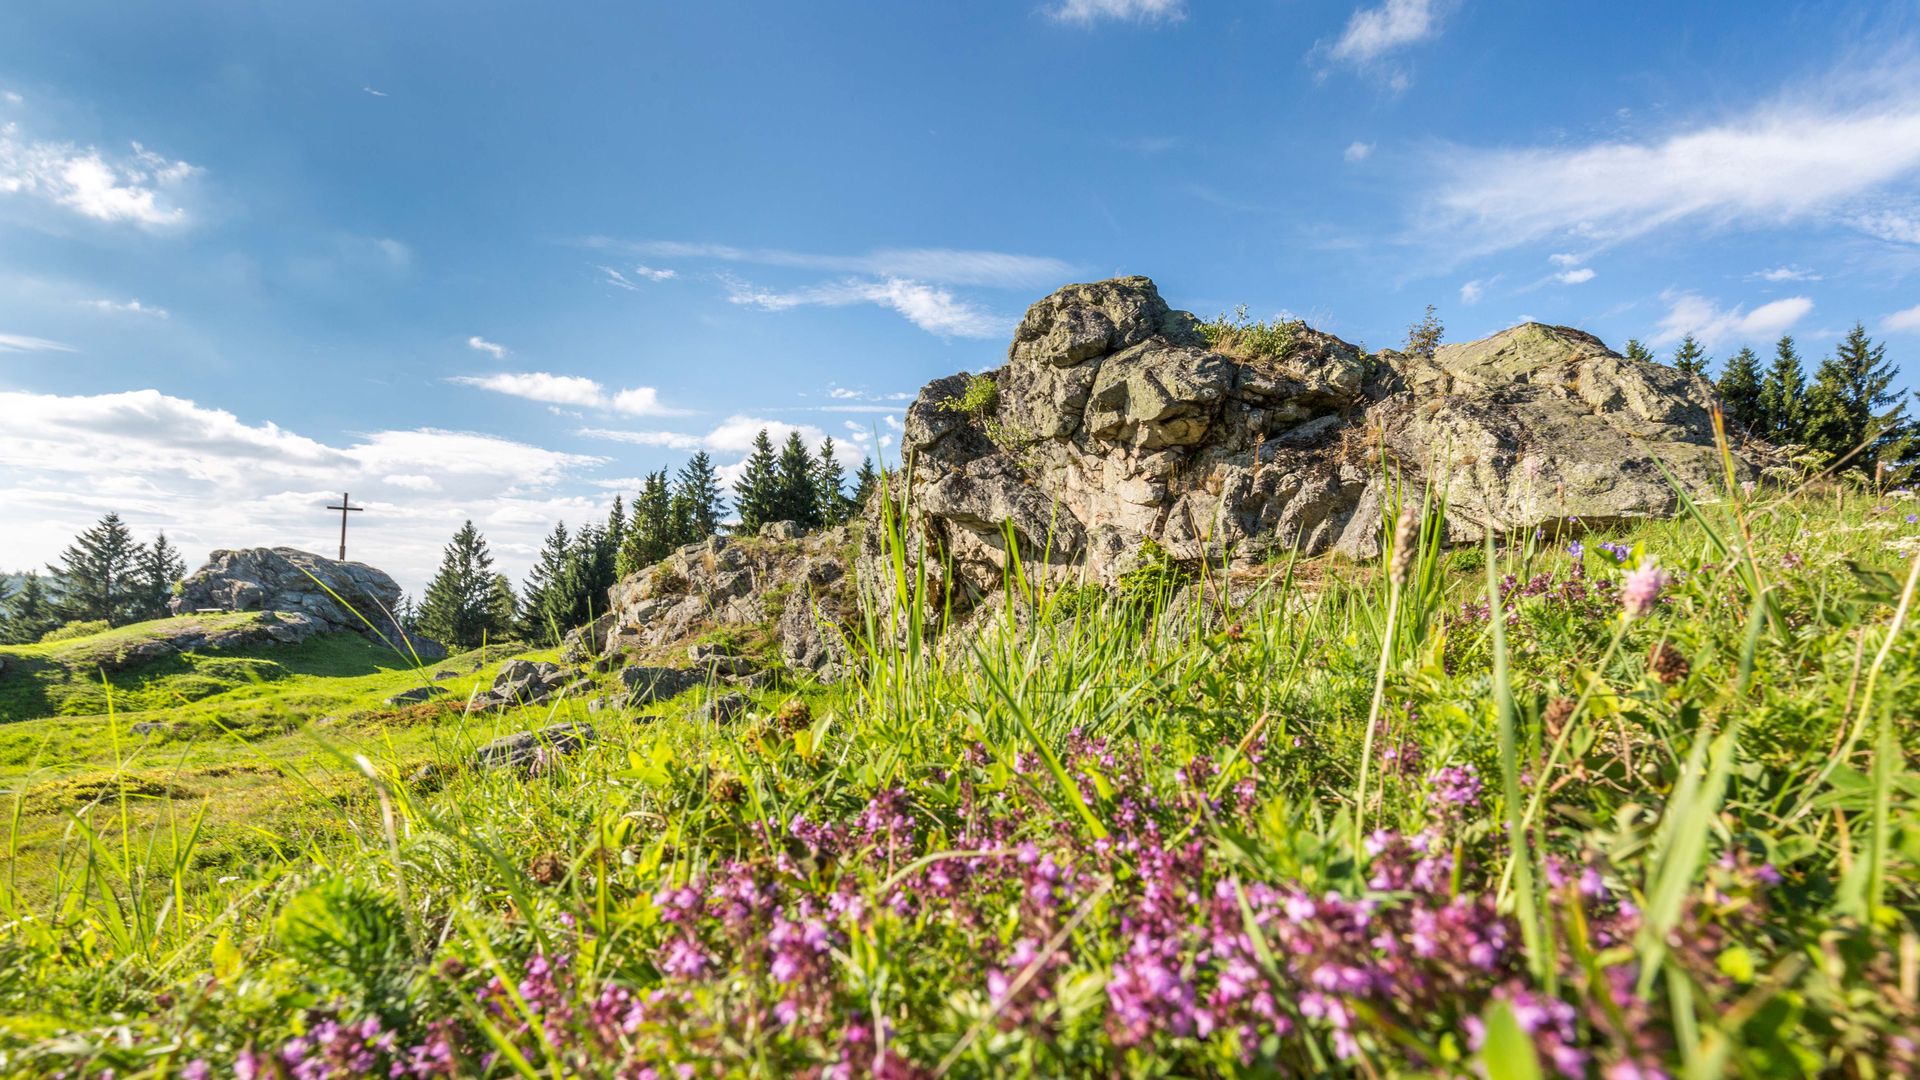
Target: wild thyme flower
{"type": "Point", "coordinates": [1643, 588]}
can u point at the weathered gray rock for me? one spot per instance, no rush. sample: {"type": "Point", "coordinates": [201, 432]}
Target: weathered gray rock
{"type": "Point", "coordinates": [724, 708]}
{"type": "Point", "coordinates": [534, 751]}
{"type": "Point", "coordinates": [415, 696]}
{"type": "Point", "coordinates": [336, 596]}
{"type": "Point", "coordinates": [781, 530]}
{"type": "Point", "coordinates": [1114, 423]}
{"type": "Point", "coordinates": [645, 684]}
{"type": "Point", "coordinates": [526, 682]}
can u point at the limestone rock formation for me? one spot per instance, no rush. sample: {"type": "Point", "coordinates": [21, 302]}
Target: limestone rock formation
{"type": "Point", "coordinates": [326, 594]}
{"type": "Point", "coordinates": [1113, 422]}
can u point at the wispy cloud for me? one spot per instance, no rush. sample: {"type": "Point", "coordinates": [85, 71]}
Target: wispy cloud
{"type": "Point", "coordinates": [1784, 273]}
{"type": "Point", "coordinates": [140, 187]}
{"type": "Point", "coordinates": [493, 349]}
{"type": "Point", "coordinates": [734, 435]}
{"type": "Point", "coordinates": [931, 308]}
{"type": "Point", "coordinates": [1579, 276]}
{"type": "Point", "coordinates": [574, 391]}
{"type": "Point", "coordinates": [1690, 313]}
{"type": "Point", "coordinates": [1791, 160]}
{"type": "Point", "coordinates": [371, 90]}
{"type": "Point", "coordinates": [1905, 322]}
{"type": "Point", "coordinates": [1471, 292]}
{"type": "Point", "coordinates": [130, 307]}
{"type": "Point", "coordinates": [943, 265]}
{"type": "Point", "coordinates": [1374, 32]}
{"type": "Point", "coordinates": [1091, 11]}
{"type": "Point", "coordinates": [23, 343]}
{"type": "Point", "coordinates": [620, 280]}
{"type": "Point", "coordinates": [1358, 151]}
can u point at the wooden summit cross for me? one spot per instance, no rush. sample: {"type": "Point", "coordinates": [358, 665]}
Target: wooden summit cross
{"type": "Point", "coordinates": [345, 506]}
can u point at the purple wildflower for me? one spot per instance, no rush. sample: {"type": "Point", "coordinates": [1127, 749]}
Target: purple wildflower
{"type": "Point", "coordinates": [1643, 588]}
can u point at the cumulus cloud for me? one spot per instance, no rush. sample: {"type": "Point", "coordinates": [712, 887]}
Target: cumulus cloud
{"type": "Point", "coordinates": [576, 391]}
{"type": "Point", "coordinates": [945, 266]}
{"type": "Point", "coordinates": [130, 307]}
{"type": "Point", "coordinates": [930, 307]}
{"type": "Point", "coordinates": [1574, 277]}
{"type": "Point", "coordinates": [1358, 151]}
{"type": "Point", "coordinates": [480, 344]}
{"type": "Point", "coordinates": [1092, 11]}
{"type": "Point", "coordinates": [1788, 161]}
{"type": "Point", "coordinates": [1374, 32]}
{"type": "Point", "coordinates": [140, 188]}
{"type": "Point", "coordinates": [1906, 322]}
{"type": "Point", "coordinates": [211, 479]}
{"type": "Point", "coordinates": [1690, 313]}
{"type": "Point", "coordinates": [24, 343]}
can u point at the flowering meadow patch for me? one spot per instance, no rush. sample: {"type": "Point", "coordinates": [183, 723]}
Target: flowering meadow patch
{"type": "Point", "coordinates": [1624, 818]}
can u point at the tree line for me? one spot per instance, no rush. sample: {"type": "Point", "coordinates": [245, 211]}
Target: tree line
{"type": "Point", "coordinates": [468, 602]}
{"type": "Point", "coordinates": [1849, 410]}
{"type": "Point", "coordinates": [104, 576]}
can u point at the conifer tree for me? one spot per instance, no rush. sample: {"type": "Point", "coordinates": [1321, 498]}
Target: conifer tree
{"type": "Point", "coordinates": [1848, 404]}
{"type": "Point", "coordinates": [699, 488]}
{"type": "Point", "coordinates": [29, 613]}
{"type": "Point", "coordinates": [502, 606]}
{"type": "Point", "coordinates": [99, 574]}
{"type": "Point", "coordinates": [460, 606]}
{"type": "Point", "coordinates": [830, 487]}
{"type": "Point", "coordinates": [1739, 389]}
{"type": "Point", "coordinates": [604, 571]}
{"type": "Point", "coordinates": [757, 492]}
{"type": "Point", "coordinates": [1783, 394]}
{"type": "Point", "coordinates": [581, 598]}
{"type": "Point", "coordinates": [653, 535]}
{"type": "Point", "coordinates": [1690, 357]}
{"type": "Point", "coordinates": [865, 483]}
{"type": "Point", "coordinates": [798, 497]}
{"type": "Point", "coordinates": [539, 614]}
{"type": "Point", "coordinates": [1637, 351]}
{"type": "Point", "coordinates": [161, 567]}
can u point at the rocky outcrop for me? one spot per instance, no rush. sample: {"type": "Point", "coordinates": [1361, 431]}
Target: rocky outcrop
{"type": "Point", "coordinates": [529, 682]}
{"type": "Point", "coordinates": [795, 589]}
{"type": "Point", "coordinates": [326, 595]}
{"type": "Point", "coordinates": [1114, 422]}
{"type": "Point", "coordinates": [534, 752]}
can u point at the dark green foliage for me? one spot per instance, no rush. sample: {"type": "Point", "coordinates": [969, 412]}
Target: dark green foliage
{"type": "Point", "coordinates": [657, 525]}
{"type": "Point", "coordinates": [698, 490]}
{"type": "Point", "coordinates": [1424, 336]}
{"type": "Point", "coordinates": [1739, 389]}
{"type": "Point", "coordinates": [543, 605]}
{"type": "Point", "coordinates": [830, 484]}
{"type": "Point", "coordinates": [350, 941]}
{"type": "Point", "coordinates": [865, 483]}
{"type": "Point", "coordinates": [461, 607]}
{"type": "Point", "coordinates": [99, 576]}
{"type": "Point", "coordinates": [160, 569]}
{"type": "Point", "coordinates": [757, 492]}
{"type": "Point", "coordinates": [1849, 406]}
{"type": "Point", "coordinates": [1783, 395]}
{"type": "Point", "coordinates": [1637, 351]}
{"type": "Point", "coordinates": [797, 495]}
{"type": "Point", "coordinates": [28, 614]}
{"type": "Point", "coordinates": [1690, 357]}
{"type": "Point", "coordinates": [502, 607]}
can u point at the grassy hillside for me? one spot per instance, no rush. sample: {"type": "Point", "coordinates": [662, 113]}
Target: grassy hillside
{"type": "Point", "coordinates": [1647, 806]}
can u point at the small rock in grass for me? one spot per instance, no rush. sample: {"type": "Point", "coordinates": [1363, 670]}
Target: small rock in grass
{"type": "Point", "coordinates": [534, 751]}
{"type": "Point", "coordinates": [725, 709]}
{"type": "Point", "coordinates": [415, 696]}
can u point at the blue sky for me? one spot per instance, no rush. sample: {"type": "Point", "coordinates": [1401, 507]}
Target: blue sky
{"type": "Point", "coordinates": [496, 261]}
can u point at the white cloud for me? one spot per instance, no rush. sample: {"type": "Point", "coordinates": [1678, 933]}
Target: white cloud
{"type": "Point", "coordinates": [576, 391]}
{"type": "Point", "coordinates": [943, 265]}
{"type": "Point", "coordinates": [1358, 151]}
{"type": "Point", "coordinates": [1784, 273]}
{"type": "Point", "coordinates": [1575, 277]}
{"type": "Point", "coordinates": [620, 280]}
{"type": "Point", "coordinates": [734, 435]}
{"type": "Point", "coordinates": [1907, 321]}
{"type": "Point", "coordinates": [480, 344]}
{"type": "Point", "coordinates": [212, 480]}
{"type": "Point", "coordinates": [1470, 292]}
{"type": "Point", "coordinates": [1566, 258]}
{"type": "Point", "coordinates": [1690, 313]}
{"type": "Point", "coordinates": [12, 98]}
{"type": "Point", "coordinates": [1373, 32]}
{"type": "Point", "coordinates": [1091, 11]}
{"type": "Point", "coordinates": [655, 274]}
{"type": "Point", "coordinates": [931, 308]}
{"type": "Point", "coordinates": [23, 343]}
{"type": "Point", "coordinates": [371, 90]}
{"type": "Point", "coordinates": [137, 188]}
{"type": "Point", "coordinates": [1784, 162]}
{"type": "Point", "coordinates": [131, 307]}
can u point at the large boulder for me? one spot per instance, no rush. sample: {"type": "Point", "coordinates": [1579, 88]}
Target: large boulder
{"type": "Point", "coordinates": [1114, 422]}
{"type": "Point", "coordinates": [336, 596]}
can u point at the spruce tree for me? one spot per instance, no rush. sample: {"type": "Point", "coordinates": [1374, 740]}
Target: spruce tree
{"type": "Point", "coordinates": [605, 571]}
{"type": "Point", "coordinates": [830, 487]}
{"type": "Point", "coordinates": [161, 567]}
{"type": "Point", "coordinates": [865, 483]}
{"type": "Point", "coordinates": [1739, 389]}
{"type": "Point", "coordinates": [1690, 357]}
{"type": "Point", "coordinates": [580, 598]}
{"type": "Point", "coordinates": [1783, 395]}
{"type": "Point", "coordinates": [502, 607]}
{"type": "Point", "coordinates": [1848, 404]}
{"type": "Point", "coordinates": [652, 535]}
{"type": "Point", "coordinates": [30, 613]}
{"type": "Point", "coordinates": [757, 492]}
{"type": "Point", "coordinates": [538, 614]}
{"type": "Point", "coordinates": [459, 609]}
{"type": "Point", "coordinates": [99, 574]}
{"type": "Point", "coordinates": [699, 487]}
{"type": "Point", "coordinates": [798, 496]}
{"type": "Point", "coordinates": [1637, 351]}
